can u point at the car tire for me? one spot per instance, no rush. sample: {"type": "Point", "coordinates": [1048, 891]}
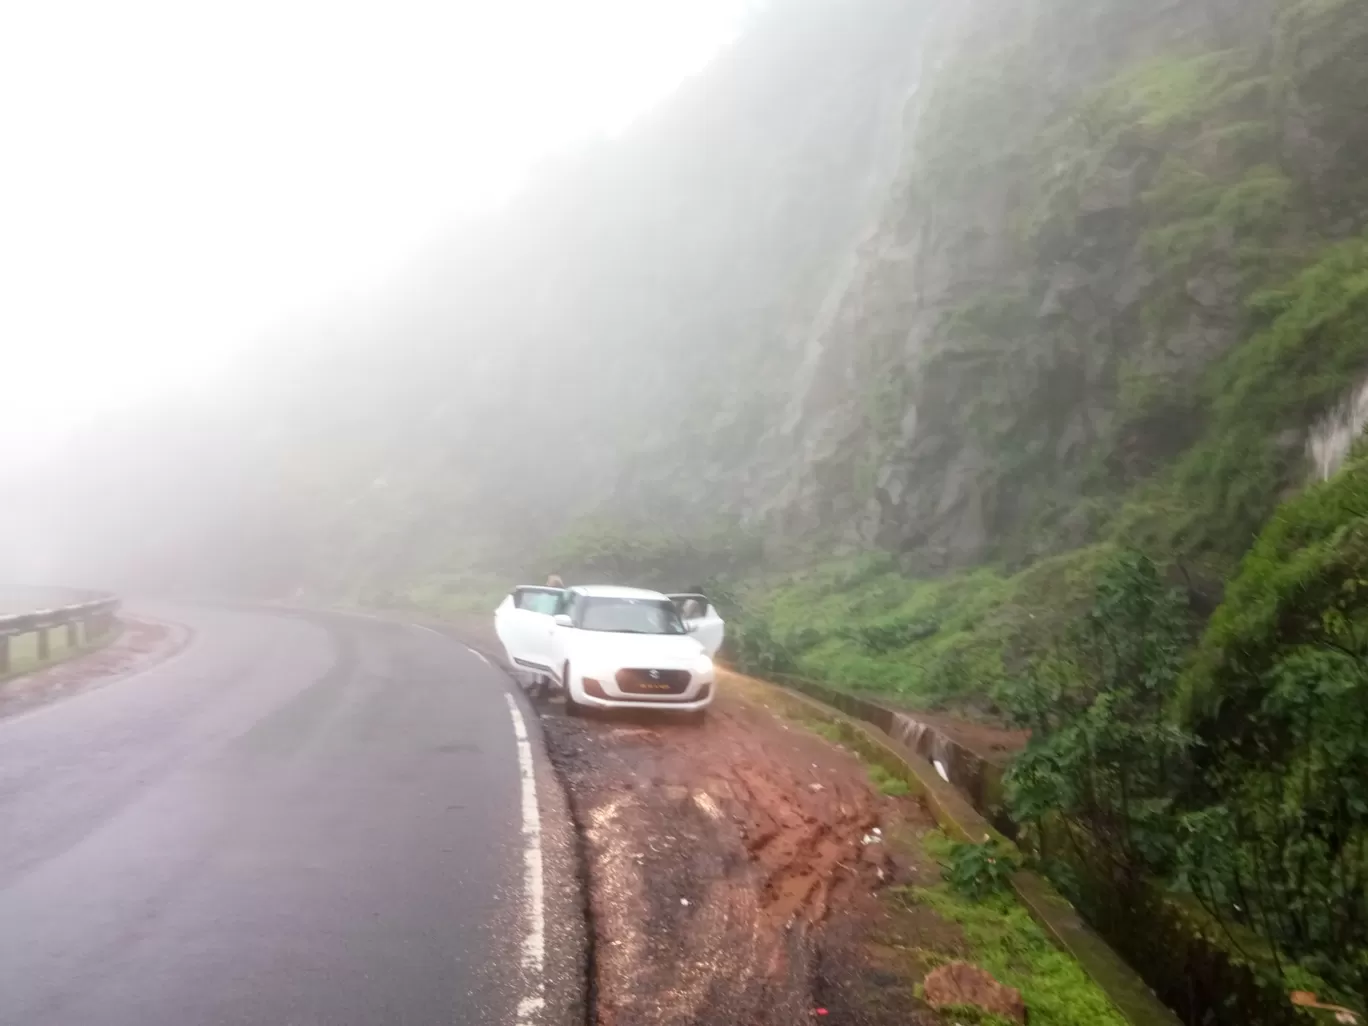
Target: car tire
{"type": "Point", "coordinates": [572, 708]}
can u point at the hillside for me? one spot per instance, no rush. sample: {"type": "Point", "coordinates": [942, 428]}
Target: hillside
{"type": "Point", "coordinates": [1115, 298]}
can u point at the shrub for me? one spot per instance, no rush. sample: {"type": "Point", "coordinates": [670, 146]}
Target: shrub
{"type": "Point", "coordinates": [979, 870]}
{"type": "Point", "coordinates": [1278, 838]}
{"type": "Point", "coordinates": [1101, 760]}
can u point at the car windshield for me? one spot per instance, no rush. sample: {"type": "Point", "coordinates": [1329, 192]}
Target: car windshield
{"type": "Point", "coordinates": [630, 616]}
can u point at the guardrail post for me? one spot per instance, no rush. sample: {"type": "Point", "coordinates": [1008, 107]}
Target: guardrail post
{"type": "Point", "coordinates": [44, 648]}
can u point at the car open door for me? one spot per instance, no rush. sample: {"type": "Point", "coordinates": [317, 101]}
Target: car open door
{"type": "Point", "coordinates": [523, 624]}
{"type": "Point", "coordinates": [701, 619]}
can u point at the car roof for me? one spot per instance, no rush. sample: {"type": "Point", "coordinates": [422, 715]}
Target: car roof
{"type": "Point", "coordinates": [611, 591]}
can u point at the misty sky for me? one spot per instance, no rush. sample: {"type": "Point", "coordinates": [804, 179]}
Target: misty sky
{"type": "Point", "coordinates": [179, 176]}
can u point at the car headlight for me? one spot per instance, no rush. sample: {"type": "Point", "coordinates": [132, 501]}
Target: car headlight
{"type": "Point", "coordinates": [703, 666]}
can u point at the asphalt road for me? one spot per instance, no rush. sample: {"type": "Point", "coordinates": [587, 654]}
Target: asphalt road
{"type": "Point", "coordinates": [299, 819]}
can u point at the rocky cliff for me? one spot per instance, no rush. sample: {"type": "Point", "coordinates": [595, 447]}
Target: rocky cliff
{"type": "Point", "coordinates": [1091, 196]}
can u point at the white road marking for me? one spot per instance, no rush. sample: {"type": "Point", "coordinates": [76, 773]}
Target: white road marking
{"type": "Point", "coordinates": [534, 944]}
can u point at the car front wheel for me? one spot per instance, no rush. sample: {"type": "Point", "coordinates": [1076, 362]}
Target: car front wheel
{"type": "Point", "coordinates": [572, 708]}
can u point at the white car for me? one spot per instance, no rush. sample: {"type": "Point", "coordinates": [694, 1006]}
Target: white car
{"type": "Point", "coordinates": [612, 648]}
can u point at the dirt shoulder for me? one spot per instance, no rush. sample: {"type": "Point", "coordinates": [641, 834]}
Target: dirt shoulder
{"type": "Point", "coordinates": [734, 871]}
{"type": "Point", "coordinates": [139, 643]}
{"type": "Point", "coordinates": [753, 870]}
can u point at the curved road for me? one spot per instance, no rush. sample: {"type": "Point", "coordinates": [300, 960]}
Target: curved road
{"type": "Point", "coordinates": [299, 819]}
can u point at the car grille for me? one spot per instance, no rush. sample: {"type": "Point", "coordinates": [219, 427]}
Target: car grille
{"type": "Point", "coordinates": [653, 682]}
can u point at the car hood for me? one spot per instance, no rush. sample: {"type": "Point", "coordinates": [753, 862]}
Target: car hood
{"type": "Point", "coordinates": [603, 650]}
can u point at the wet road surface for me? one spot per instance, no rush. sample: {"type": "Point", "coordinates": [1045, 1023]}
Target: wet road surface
{"type": "Point", "coordinates": [298, 819]}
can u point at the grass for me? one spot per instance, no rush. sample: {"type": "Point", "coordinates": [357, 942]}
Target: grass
{"type": "Point", "coordinates": [887, 783]}
{"type": "Point", "coordinates": [830, 731]}
{"type": "Point", "coordinates": [863, 625]}
{"type": "Point", "coordinates": [1005, 940]}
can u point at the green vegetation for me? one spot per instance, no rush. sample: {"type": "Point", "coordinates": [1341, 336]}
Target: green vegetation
{"type": "Point", "coordinates": [600, 550]}
{"type": "Point", "coordinates": [888, 783]}
{"type": "Point", "coordinates": [1278, 691]}
{"type": "Point", "coordinates": [863, 624]}
{"type": "Point", "coordinates": [978, 871]}
{"type": "Point", "coordinates": [1102, 760]}
{"type": "Point", "coordinates": [452, 593]}
{"type": "Point", "coordinates": [1005, 940]}
{"type": "Point", "coordinates": [1242, 779]}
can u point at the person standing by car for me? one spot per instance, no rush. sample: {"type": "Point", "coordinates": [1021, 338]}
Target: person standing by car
{"type": "Point", "coordinates": [554, 581]}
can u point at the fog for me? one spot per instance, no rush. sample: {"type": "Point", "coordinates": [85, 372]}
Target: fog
{"type": "Point", "coordinates": [182, 180]}
{"type": "Point", "coordinates": [326, 300]}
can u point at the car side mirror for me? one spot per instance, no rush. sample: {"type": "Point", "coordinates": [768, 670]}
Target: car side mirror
{"type": "Point", "coordinates": [691, 626]}
{"type": "Point", "coordinates": [563, 620]}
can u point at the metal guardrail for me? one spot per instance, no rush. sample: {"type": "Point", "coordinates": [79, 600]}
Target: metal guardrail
{"type": "Point", "coordinates": [83, 621]}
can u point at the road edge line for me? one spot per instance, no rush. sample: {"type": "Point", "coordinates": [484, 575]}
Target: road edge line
{"type": "Point", "coordinates": [534, 893]}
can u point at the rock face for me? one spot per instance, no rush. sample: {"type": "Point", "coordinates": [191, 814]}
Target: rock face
{"type": "Point", "coordinates": [959, 983]}
{"type": "Point", "coordinates": [1089, 194]}
{"type": "Point", "coordinates": [963, 356]}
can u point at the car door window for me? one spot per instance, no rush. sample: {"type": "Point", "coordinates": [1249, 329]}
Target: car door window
{"type": "Point", "coordinates": [566, 604]}
{"type": "Point", "coordinates": [702, 620]}
{"type": "Point", "coordinates": [537, 600]}
{"type": "Point", "coordinates": [543, 602]}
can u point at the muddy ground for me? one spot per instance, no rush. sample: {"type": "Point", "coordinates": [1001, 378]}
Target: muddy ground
{"type": "Point", "coordinates": [738, 873]}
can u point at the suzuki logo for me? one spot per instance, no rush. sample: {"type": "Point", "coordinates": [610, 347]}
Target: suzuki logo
{"type": "Point", "coordinates": [655, 675]}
